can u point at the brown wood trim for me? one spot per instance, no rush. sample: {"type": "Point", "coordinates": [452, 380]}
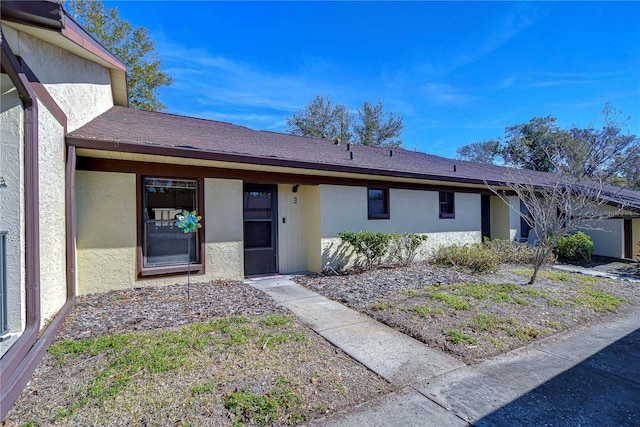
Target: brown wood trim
{"type": "Point", "coordinates": [170, 170]}
{"type": "Point", "coordinates": [52, 16]}
{"type": "Point", "coordinates": [74, 32]}
{"type": "Point", "coordinates": [50, 104]}
{"type": "Point", "coordinates": [43, 94]}
{"type": "Point", "coordinates": [173, 269]}
{"type": "Point", "coordinates": [17, 364]}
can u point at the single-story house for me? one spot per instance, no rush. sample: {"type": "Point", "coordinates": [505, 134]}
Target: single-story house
{"type": "Point", "coordinates": [89, 191]}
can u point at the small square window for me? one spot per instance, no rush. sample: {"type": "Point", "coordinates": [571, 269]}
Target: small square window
{"type": "Point", "coordinates": [378, 203]}
{"type": "Point", "coordinates": [447, 205]}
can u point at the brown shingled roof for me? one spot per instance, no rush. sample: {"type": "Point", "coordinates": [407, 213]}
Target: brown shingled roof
{"type": "Point", "coordinates": [137, 131]}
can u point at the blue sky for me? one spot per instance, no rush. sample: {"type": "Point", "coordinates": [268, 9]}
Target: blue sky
{"type": "Point", "coordinates": [456, 72]}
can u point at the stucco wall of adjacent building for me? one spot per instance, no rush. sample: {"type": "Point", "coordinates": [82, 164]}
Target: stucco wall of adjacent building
{"type": "Point", "coordinates": [411, 211]}
{"type": "Point", "coordinates": [81, 88]}
{"type": "Point", "coordinates": [12, 215]}
{"type": "Point", "coordinates": [51, 165]}
{"type": "Point", "coordinates": [608, 237]}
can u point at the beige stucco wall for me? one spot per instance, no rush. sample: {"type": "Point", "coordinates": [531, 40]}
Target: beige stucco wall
{"type": "Point", "coordinates": [12, 217]}
{"type": "Point", "coordinates": [500, 219]}
{"type": "Point", "coordinates": [514, 218]}
{"type": "Point", "coordinates": [224, 229]}
{"type": "Point", "coordinates": [106, 232]}
{"type": "Point", "coordinates": [411, 211]}
{"type": "Point", "coordinates": [299, 233]}
{"type": "Point", "coordinates": [51, 165]}
{"type": "Point", "coordinates": [313, 228]}
{"type": "Point", "coordinates": [81, 88]}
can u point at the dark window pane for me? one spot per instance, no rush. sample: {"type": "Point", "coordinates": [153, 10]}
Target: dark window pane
{"type": "Point", "coordinates": [257, 234]}
{"type": "Point", "coordinates": [378, 202]}
{"type": "Point", "coordinates": [168, 245]}
{"type": "Point", "coordinates": [164, 243]}
{"type": "Point", "coordinates": [257, 205]}
{"type": "Point", "coordinates": [447, 208]}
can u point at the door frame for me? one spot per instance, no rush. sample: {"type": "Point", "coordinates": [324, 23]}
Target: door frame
{"type": "Point", "coordinates": [273, 188]}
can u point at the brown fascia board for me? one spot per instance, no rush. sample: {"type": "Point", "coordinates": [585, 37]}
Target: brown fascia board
{"type": "Point", "coordinates": [42, 14]}
{"type": "Point", "coordinates": [74, 32]}
{"type": "Point", "coordinates": [52, 16]}
{"type": "Point", "coordinates": [191, 153]}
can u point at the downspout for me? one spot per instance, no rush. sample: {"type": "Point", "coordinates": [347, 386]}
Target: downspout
{"type": "Point", "coordinates": [20, 361]}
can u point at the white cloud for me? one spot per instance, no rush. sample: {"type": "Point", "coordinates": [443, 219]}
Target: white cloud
{"type": "Point", "coordinates": [446, 95]}
{"type": "Point", "coordinates": [214, 80]}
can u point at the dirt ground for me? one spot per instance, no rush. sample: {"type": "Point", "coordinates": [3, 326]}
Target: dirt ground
{"type": "Point", "coordinates": [238, 359]}
{"type": "Point", "coordinates": [256, 359]}
{"type": "Point", "coordinates": [474, 317]}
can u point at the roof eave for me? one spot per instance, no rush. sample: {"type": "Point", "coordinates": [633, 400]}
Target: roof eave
{"type": "Point", "coordinates": [51, 17]}
{"type": "Point", "coordinates": [159, 150]}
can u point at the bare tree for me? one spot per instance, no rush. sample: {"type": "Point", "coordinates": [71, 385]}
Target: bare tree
{"type": "Point", "coordinates": [557, 207]}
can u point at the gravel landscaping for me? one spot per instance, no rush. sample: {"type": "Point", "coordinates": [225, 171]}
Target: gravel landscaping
{"type": "Point", "coordinates": [474, 317]}
{"type": "Point", "coordinates": [151, 356]}
{"type": "Point", "coordinates": [229, 356]}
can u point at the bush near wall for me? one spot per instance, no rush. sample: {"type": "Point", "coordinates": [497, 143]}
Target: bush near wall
{"type": "Point", "coordinates": [401, 248]}
{"type": "Point", "coordinates": [574, 246]}
{"type": "Point", "coordinates": [404, 247]}
{"type": "Point", "coordinates": [368, 244]}
{"type": "Point", "coordinates": [512, 252]}
{"type": "Point", "coordinates": [478, 257]}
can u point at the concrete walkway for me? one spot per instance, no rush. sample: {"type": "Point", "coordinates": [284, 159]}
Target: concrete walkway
{"type": "Point", "coordinates": [592, 272]}
{"type": "Point", "coordinates": [589, 376]}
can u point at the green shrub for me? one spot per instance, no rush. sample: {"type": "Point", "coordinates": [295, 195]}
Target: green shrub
{"type": "Point", "coordinates": [574, 246]}
{"type": "Point", "coordinates": [404, 247]}
{"type": "Point", "coordinates": [371, 245]}
{"type": "Point", "coordinates": [477, 258]}
{"type": "Point", "coordinates": [511, 252]}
